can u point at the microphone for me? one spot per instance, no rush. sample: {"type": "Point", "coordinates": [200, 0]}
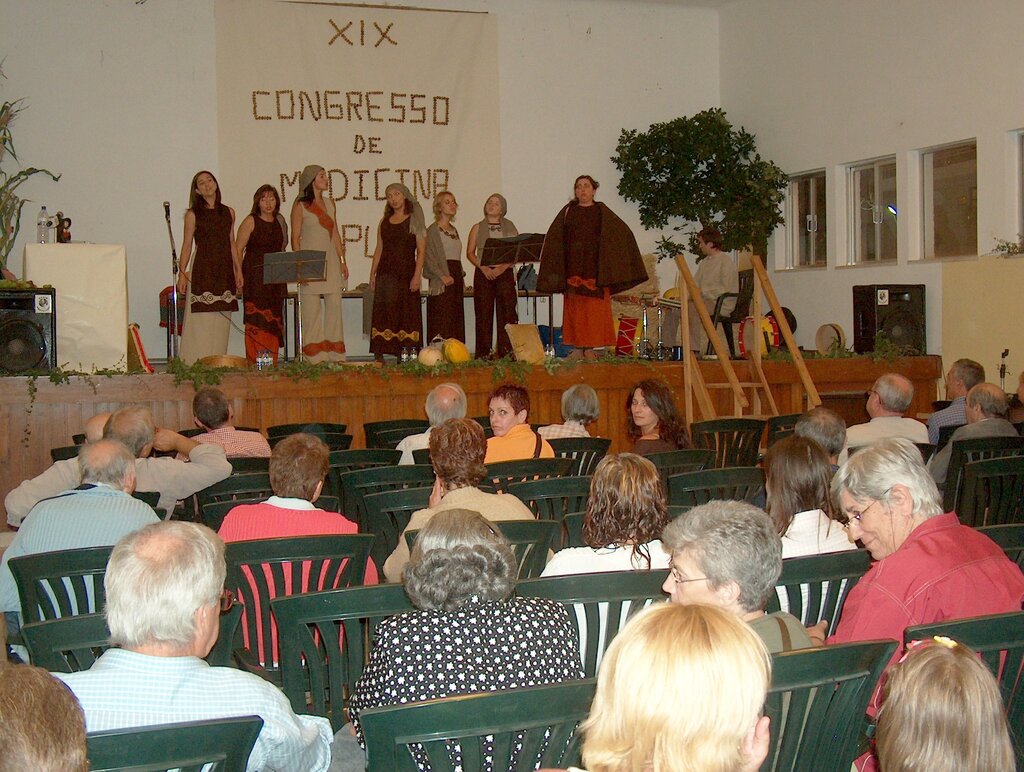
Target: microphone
{"type": "Point", "coordinates": [167, 209]}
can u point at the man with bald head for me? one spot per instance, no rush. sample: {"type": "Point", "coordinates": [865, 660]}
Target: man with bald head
{"type": "Point", "coordinates": [444, 401]}
{"type": "Point", "coordinates": [888, 400]}
{"type": "Point", "coordinates": [95, 514]}
{"type": "Point", "coordinates": [986, 407]}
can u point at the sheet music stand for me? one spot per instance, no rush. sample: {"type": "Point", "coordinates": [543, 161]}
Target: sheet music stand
{"type": "Point", "coordinates": [524, 248]}
{"type": "Point", "coordinates": [301, 267]}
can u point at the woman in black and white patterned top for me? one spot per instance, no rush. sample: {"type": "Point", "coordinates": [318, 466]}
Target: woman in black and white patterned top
{"type": "Point", "coordinates": [469, 634]}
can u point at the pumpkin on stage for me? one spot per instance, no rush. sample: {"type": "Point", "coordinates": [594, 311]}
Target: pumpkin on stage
{"type": "Point", "coordinates": [455, 351]}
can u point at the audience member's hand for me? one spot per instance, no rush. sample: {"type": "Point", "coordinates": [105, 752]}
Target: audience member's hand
{"type": "Point", "coordinates": [818, 632]}
{"type": "Point", "coordinates": [436, 493]}
{"type": "Point", "coordinates": [94, 426]}
{"type": "Point", "coordinates": [755, 745]}
{"type": "Point", "coordinates": [165, 439]}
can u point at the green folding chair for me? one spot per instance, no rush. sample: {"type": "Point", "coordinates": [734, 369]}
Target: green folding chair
{"type": "Point", "coordinates": [514, 729]}
{"type": "Point", "coordinates": [992, 492]}
{"type": "Point", "coordinates": [1010, 538]}
{"type": "Point", "coordinates": [815, 587]}
{"type": "Point", "coordinates": [359, 483]}
{"type": "Point", "coordinates": [553, 498]}
{"type": "Point", "coordinates": [531, 541]}
{"type": "Point", "coordinates": [60, 584]}
{"type": "Point", "coordinates": [503, 473]}
{"type": "Point", "coordinates": [964, 452]}
{"type": "Point", "coordinates": [780, 426]}
{"type": "Point", "coordinates": [372, 430]}
{"type": "Point", "coordinates": [600, 604]}
{"type": "Point", "coordinates": [738, 483]}
{"type": "Point", "coordinates": [318, 428]}
{"type": "Point", "coordinates": [672, 462]}
{"type": "Point", "coordinates": [325, 640]}
{"type": "Point", "coordinates": [220, 745]}
{"type": "Point", "coordinates": [587, 452]}
{"type": "Point", "coordinates": [241, 488]}
{"type": "Point", "coordinates": [736, 441]}
{"type": "Point", "coordinates": [817, 703]}
{"type": "Point", "coordinates": [387, 515]}
{"type": "Point", "coordinates": [341, 461]}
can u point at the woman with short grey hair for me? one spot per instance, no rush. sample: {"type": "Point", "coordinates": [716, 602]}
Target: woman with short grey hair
{"type": "Point", "coordinates": [580, 407]}
{"type": "Point", "coordinates": [470, 633]}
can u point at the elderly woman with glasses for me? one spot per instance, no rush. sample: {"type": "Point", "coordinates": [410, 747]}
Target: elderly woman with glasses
{"type": "Point", "coordinates": [728, 554]}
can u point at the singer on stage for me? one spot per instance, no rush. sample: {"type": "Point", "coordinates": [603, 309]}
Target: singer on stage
{"type": "Point", "coordinates": [214, 278]}
{"type": "Point", "coordinates": [494, 286]}
{"type": "Point", "coordinates": [263, 230]}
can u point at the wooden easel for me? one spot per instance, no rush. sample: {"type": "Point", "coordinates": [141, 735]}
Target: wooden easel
{"type": "Point", "coordinates": [695, 383]}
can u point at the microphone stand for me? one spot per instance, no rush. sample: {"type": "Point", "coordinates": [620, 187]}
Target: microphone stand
{"type": "Point", "coordinates": [1002, 368]}
{"type": "Point", "coordinates": [172, 322]}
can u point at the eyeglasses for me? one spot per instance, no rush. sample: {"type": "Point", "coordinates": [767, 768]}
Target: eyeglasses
{"type": "Point", "coordinates": [856, 516]}
{"type": "Point", "coordinates": [678, 578]}
{"type": "Point", "coordinates": [228, 601]}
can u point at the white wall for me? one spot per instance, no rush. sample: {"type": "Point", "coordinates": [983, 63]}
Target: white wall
{"type": "Point", "coordinates": [823, 83]}
{"type": "Point", "coordinates": [123, 103]}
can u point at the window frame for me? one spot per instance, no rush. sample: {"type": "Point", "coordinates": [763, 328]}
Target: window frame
{"type": "Point", "coordinates": [927, 208]}
{"type": "Point", "coordinates": [856, 210]}
{"type": "Point", "coordinates": [801, 221]}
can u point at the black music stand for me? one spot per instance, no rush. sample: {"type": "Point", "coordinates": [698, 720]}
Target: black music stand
{"type": "Point", "coordinates": [301, 267]}
{"type": "Point", "coordinates": [524, 248]}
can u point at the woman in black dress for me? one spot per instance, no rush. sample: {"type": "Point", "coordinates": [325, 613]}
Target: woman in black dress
{"type": "Point", "coordinates": [396, 275]}
{"type": "Point", "coordinates": [263, 230]}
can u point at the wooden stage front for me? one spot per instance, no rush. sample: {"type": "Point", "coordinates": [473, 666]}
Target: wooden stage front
{"type": "Point", "coordinates": [35, 422]}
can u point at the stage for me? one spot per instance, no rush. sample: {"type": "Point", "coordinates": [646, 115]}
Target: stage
{"type": "Point", "coordinates": [37, 414]}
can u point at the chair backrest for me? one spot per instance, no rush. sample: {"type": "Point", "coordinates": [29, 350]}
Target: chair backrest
{"type": "Point", "coordinates": [67, 644]}
{"type": "Point", "coordinates": [421, 456]}
{"type": "Point", "coordinates": [317, 428]}
{"type": "Point", "coordinates": [150, 497]}
{"type": "Point", "coordinates": [372, 430]}
{"type": "Point", "coordinates": [553, 498]}
{"type": "Point", "coordinates": [78, 439]}
{"type": "Point", "coordinates": [945, 432]}
{"type": "Point", "coordinates": [744, 296]}
{"type": "Point", "coordinates": [240, 488]}
{"type": "Point", "coordinates": [60, 584]}
{"type": "Point", "coordinates": [272, 568]}
{"type": "Point", "coordinates": [780, 426]}
{"type": "Point", "coordinates": [1010, 538]}
{"type": "Point", "coordinates": [817, 702]}
{"type": "Point", "coordinates": [992, 492]}
{"type": "Point", "coordinates": [600, 604]}
{"type": "Point", "coordinates": [815, 587]}
{"type": "Point", "coordinates": [484, 421]}
{"type": "Point", "coordinates": [387, 515]}
{"type": "Point", "coordinates": [967, 451]}
{"type": "Point", "coordinates": [732, 483]}
{"type": "Point", "coordinates": [341, 461]}
{"type": "Point", "coordinates": [999, 639]}
{"type": "Point", "coordinates": [572, 525]}
{"type": "Point", "coordinates": [513, 729]}
{"type": "Point", "coordinates": [64, 452]}
{"type": "Point", "coordinates": [333, 440]}
{"type": "Point", "coordinates": [249, 464]}
{"type": "Point", "coordinates": [504, 473]}
{"type": "Point", "coordinates": [531, 540]}
{"type": "Point", "coordinates": [736, 441]}
{"type": "Point", "coordinates": [389, 438]}
{"type": "Point", "coordinates": [587, 452]}
{"type": "Point", "coordinates": [325, 640]}
{"type": "Point", "coordinates": [219, 745]}
{"type": "Point", "coordinates": [927, 451]}
{"type": "Point", "coordinates": [359, 483]}
{"type": "Point", "coordinates": [672, 462]}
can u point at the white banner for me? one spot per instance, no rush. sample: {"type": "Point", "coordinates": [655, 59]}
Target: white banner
{"type": "Point", "coordinates": [375, 95]}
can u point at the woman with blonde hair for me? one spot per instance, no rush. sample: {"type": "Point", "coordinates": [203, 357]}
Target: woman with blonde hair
{"type": "Point", "coordinates": [442, 268]}
{"type": "Point", "coordinates": [494, 286]}
{"type": "Point", "coordinates": [626, 514]}
{"type": "Point", "coordinates": [641, 718]}
{"type": "Point", "coordinates": [942, 710]}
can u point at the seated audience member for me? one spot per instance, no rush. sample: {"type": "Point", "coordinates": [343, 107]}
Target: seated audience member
{"type": "Point", "coordinates": [95, 514]}
{"type": "Point", "coordinates": [461, 579]}
{"type": "Point", "coordinates": [457, 449]}
{"type": "Point", "coordinates": [797, 478]}
{"type": "Point", "coordinates": [652, 421]}
{"type": "Point", "coordinates": [42, 728]}
{"type": "Point", "coordinates": [579, 408]}
{"type": "Point", "coordinates": [827, 428]}
{"type": "Point", "coordinates": [625, 517]}
{"type": "Point", "coordinates": [929, 567]}
{"type": "Point", "coordinates": [213, 412]}
{"type": "Point", "coordinates": [941, 710]}
{"type": "Point", "coordinates": [963, 376]}
{"type": "Point", "coordinates": [164, 587]}
{"type": "Point", "coordinates": [444, 401]}
{"type": "Point", "coordinates": [133, 426]}
{"type": "Point", "coordinates": [645, 716]}
{"type": "Point", "coordinates": [1016, 415]}
{"type": "Point", "coordinates": [888, 400]}
{"type": "Point", "coordinates": [728, 554]}
{"type": "Point", "coordinates": [509, 411]}
{"type": "Point", "coordinates": [986, 409]}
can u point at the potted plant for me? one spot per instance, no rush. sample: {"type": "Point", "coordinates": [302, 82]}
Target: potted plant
{"type": "Point", "coordinates": [701, 170]}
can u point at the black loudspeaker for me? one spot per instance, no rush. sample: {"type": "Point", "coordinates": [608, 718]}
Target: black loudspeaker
{"type": "Point", "coordinates": [897, 310]}
{"type": "Point", "coordinates": [28, 330]}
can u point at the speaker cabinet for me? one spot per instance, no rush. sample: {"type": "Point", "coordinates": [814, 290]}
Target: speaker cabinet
{"type": "Point", "coordinates": [897, 310]}
{"type": "Point", "coordinates": [28, 330]}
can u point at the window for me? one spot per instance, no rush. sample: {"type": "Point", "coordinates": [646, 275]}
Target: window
{"type": "Point", "coordinates": [949, 176]}
{"type": "Point", "coordinates": [871, 191]}
{"type": "Point", "coordinates": [808, 216]}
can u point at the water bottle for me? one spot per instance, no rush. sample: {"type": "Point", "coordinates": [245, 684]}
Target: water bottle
{"type": "Point", "coordinates": [43, 226]}
{"type": "Point", "coordinates": [405, 355]}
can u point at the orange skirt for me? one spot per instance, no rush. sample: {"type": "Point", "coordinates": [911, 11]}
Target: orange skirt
{"type": "Point", "coordinates": [587, 321]}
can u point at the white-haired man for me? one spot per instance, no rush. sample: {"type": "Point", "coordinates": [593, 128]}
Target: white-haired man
{"type": "Point", "coordinates": [134, 427]}
{"type": "Point", "coordinates": [888, 400]}
{"type": "Point", "coordinates": [444, 401]}
{"type": "Point", "coordinates": [164, 588]}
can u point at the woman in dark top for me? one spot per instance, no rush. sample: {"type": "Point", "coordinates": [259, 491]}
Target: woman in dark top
{"type": "Point", "coordinates": [471, 633]}
{"type": "Point", "coordinates": [212, 278]}
{"type": "Point", "coordinates": [652, 420]}
{"type": "Point", "coordinates": [396, 275]}
{"type": "Point", "coordinates": [263, 230]}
